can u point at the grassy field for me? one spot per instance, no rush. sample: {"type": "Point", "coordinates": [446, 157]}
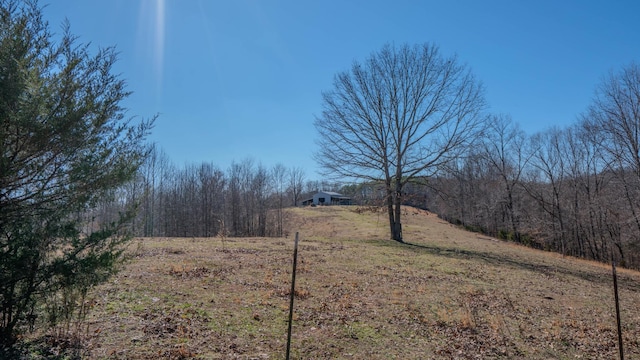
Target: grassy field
{"type": "Point", "coordinates": [449, 294]}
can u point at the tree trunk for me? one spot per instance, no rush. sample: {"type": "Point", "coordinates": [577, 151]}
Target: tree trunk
{"type": "Point", "coordinates": [396, 229]}
{"type": "Point", "coordinates": [392, 221]}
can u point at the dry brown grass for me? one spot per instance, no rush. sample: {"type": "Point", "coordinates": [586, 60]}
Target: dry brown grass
{"type": "Point", "coordinates": [449, 294]}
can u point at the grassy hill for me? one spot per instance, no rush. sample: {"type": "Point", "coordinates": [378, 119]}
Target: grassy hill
{"type": "Point", "coordinates": [449, 295]}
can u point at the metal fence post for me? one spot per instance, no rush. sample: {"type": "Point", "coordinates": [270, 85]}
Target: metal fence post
{"type": "Point", "coordinates": [292, 295]}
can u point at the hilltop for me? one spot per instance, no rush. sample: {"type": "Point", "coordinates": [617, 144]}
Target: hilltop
{"type": "Point", "coordinates": [449, 294]}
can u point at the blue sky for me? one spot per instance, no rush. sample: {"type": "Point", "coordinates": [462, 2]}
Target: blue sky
{"type": "Point", "coordinates": [236, 79]}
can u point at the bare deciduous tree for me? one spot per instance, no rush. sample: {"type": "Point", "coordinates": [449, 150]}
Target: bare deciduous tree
{"type": "Point", "coordinates": [401, 114]}
{"type": "Point", "coordinates": [615, 114]}
{"type": "Point", "coordinates": [504, 150]}
{"type": "Point", "coordinates": [296, 179]}
{"type": "Point", "coordinates": [547, 181]}
{"type": "Point", "coordinates": [278, 178]}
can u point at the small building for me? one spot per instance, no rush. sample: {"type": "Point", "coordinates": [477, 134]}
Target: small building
{"type": "Point", "coordinates": [327, 198]}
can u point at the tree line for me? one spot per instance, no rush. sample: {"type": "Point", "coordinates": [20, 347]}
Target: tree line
{"type": "Point", "coordinates": [574, 190]}
{"type": "Point", "coordinates": [203, 200]}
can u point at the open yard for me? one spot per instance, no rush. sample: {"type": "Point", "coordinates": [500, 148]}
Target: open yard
{"type": "Point", "coordinates": [449, 294]}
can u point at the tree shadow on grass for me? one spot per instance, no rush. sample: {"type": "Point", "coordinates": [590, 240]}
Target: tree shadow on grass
{"type": "Point", "coordinates": [600, 277]}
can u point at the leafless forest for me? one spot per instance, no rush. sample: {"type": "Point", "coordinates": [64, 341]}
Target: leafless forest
{"type": "Point", "coordinates": [574, 190]}
{"type": "Point", "coordinates": [201, 200]}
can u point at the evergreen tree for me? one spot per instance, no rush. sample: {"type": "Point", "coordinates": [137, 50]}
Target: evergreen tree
{"type": "Point", "coordinates": [65, 147]}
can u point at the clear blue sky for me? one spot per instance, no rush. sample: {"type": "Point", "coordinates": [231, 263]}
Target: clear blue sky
{"type": "Point", "coordinates": [236, 79]}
